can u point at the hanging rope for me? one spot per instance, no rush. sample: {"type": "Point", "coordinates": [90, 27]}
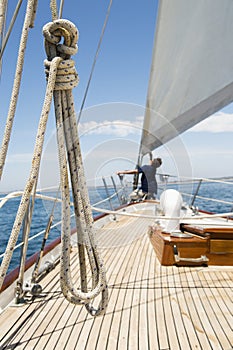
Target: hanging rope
{"type": "Point", "coordinates": [53, 8]}
{"type": "Point", "coordinates": [34, 170]}
{"type": "Point", "coordinates": [3, 7]}
{"type": "Point", "coordinates": [69, 149]}
{"type": "Point", "coordinates": [28, 23]}
{"type": "Point", "coordinates": [62, 77]}
{"type": "Point", "coordinates": [25, 237]}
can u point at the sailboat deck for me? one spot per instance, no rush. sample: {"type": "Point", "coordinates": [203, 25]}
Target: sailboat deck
{"type": "Point", "coordinates": [150, 306]}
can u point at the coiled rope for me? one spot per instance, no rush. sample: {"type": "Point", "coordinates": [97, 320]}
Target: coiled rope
{"type": "Point", "coordinates": [69, 149]}
{"type": "Point", "coordinates": [61, 77]}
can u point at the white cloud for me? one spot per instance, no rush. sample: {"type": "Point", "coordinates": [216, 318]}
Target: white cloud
{"type": "Point", "coordinates": [117, 128]}
{"type": "Point", "coordinates": [219, 122]}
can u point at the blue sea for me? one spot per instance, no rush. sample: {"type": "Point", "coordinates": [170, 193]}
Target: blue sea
{"type": "Point", "coordinates": [43, 209]}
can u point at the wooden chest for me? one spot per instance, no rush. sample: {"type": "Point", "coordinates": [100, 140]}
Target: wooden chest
{"type": "Point", "coordinates": [198, 246]}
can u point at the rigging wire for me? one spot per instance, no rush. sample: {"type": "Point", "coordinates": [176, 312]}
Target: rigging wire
{"type": "Point", "coordinates": [95, 59]}
{"type": "Point", "coordinates": [3, 7]}
{"type": "Point", "coordinates": [61, 8]}
{"type": "Point", "coordinates": [6, 37]}
{"type": "Point", "coordinates": [28, 23]}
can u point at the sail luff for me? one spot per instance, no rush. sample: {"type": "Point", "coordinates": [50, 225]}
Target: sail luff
{"type": "Point", "coordinates": [192, 68]}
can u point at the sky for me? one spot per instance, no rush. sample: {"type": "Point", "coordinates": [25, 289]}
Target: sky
{"type": "Point", "coordinates": [110, 125]}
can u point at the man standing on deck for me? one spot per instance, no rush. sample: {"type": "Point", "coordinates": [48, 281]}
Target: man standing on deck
{"type": "Point", "coordinates": [148, 187]}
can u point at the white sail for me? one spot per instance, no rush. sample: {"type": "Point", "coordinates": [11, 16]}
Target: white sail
{"type": "Point", "coordinates": [192, 67]}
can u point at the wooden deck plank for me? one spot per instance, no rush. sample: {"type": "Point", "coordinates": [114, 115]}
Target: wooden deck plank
{"type": "Point", "coordinates": [38, 325]}
{"type": "Point", "coordinates": [118, 289]}
{"type": "Point", "coordinates": [23, 313]}
{"type": "Point", "coordinates": [102, 328]}
{"type": "Point", "coordinates": [224, 285]}
{"type": "Point", "coordinates": [120, 286]}
{"type": "Point", "coordinates": [143, 310]}
{"type": "Point", "coordinates": [22, 328]}
{"type": "Point", "coordinates": [125, 335]}
{"type": "Point", "coordinates": [128, 337]}
{"type": "Point", "coordinates": [168, 300]}
{"type": "Point", "coordinates": [189, 312]}
{"type": "Point", "coordinates": [212, 311]}
{"type": "Point", "coordinates": [151, 311]}
{"type": "Point", "coordinates": [216, 308]}
{"type": "Point", "coordinates": [56, 323]}
{"type": "Point", "coordinates": [201, 304]}
{"type": "Point", "coordinates": [64, 335]}
{"type": "Point", "coordinates": [199, 340]}
{"type": "Point", "coordinates": [191, 339]}
{"type": "Point", "coordinates": [47, 319]}
{"type": "Point", "coordinates": [150, 306]}
{"type": "Point", "coordinates": [159, 307]}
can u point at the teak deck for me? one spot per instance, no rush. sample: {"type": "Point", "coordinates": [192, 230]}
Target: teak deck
{"type": "Point", "coordinates": [150, 306]}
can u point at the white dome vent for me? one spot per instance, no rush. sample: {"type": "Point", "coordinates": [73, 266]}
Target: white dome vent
{"type": "Point", "coordinates": [171, 202]}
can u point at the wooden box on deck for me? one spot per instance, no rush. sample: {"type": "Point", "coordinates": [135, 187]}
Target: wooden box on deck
{"type": "Point", "coordinates": [216, 246]}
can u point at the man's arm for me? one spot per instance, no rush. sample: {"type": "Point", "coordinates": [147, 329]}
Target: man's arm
{"type": "Point", "coordinates": [128, 172]}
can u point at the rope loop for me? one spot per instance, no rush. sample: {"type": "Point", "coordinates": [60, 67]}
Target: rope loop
{"type": "Point", "coordinates": [53, 33]}
{"type": "Point", "coordinates": [67, 77]}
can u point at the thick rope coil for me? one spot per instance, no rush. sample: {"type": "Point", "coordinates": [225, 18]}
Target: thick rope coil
{"type": "Point", "coordinates": [68, 145]}
{"type": "Point", "coordinates": [67, 77]}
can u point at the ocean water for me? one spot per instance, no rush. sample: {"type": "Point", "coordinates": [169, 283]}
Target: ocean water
{"type": "Point", "coordinates": [43, 209]}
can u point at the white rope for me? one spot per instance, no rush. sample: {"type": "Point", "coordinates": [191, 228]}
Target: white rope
{"type": "Point", "coordinates": [34, 171]}
{"type": "Point", "coordinates": [53, 8]}
{"type": "Point", "coordinates": [62, 83]}
{"type": "Point", "coordinates": [3, 7]}
{"type": "Point", "coordinates": [187, 180]}
{"type": "Point", "coordinates": [29, 17]}
{"type": "Point", "coordinates": [19, 194]}
{"type": "Point", "coordinates": [199, 217]}
{"type": "Point", "coordinates": [216, 181]}
{"type": "Point", "coordinates": [68, 141]}
{"type": "Point", "coordinates": [207, 198]}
